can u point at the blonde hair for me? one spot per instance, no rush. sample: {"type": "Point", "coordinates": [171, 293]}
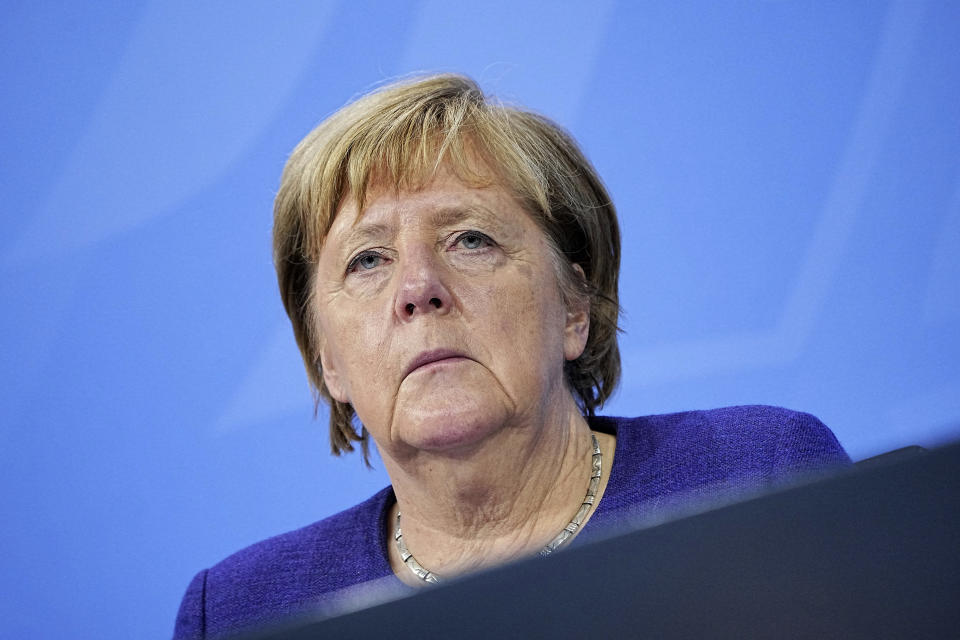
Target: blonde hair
{"type": "Point", "coordinates": [401, 134]}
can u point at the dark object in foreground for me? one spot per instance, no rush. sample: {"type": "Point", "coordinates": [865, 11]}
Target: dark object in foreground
{"type": "Point", "coordinates": [872, 553]}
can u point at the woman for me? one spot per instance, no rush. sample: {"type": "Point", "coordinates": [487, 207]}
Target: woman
{"type": "Point", "coordinates": [450, 268]}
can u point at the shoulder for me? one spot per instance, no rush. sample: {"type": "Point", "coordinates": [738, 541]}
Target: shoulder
{"type": "Point", "coordinates": [668, 458]}
{"type": "Point", "coordinates": [767, 435]}
{"type": "Point", "coordinates": [286, 573]}
{"type": "Point", "coordinates": [338, 540]}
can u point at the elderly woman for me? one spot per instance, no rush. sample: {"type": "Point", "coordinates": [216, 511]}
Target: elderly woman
{"type": "Point", "coordinates": [450, 268]}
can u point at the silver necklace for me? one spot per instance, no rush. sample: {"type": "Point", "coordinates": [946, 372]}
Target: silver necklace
{"type": "Point", "coordinates": [558, 541]}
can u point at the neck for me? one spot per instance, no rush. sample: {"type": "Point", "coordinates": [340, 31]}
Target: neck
{"type": "Point", "coordinates": [503, 499]}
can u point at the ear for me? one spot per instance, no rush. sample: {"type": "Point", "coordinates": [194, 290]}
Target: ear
{"type": "Point", "coordinates": [332, 378]}
{"type": "Point", "coordinates": [577, 329]}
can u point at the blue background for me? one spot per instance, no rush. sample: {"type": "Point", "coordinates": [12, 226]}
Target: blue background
{"type": "Point", "coordinates": [787, 175]}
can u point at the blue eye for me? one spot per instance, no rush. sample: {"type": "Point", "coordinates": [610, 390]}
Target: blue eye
{"type": "Point", "coordinates": [473, 240]}
{"type": "Point", "coordinates": [365, 262]}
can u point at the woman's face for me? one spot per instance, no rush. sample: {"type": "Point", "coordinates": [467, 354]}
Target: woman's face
{"type": "Point", "coordinates": [440, 316]}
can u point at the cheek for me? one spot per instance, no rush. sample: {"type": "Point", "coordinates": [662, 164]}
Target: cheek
{"type": "Point", "coordinates": [521, 321]}
{"type": "Point", "coordinates": [353, 346]}
{"type": "Point", "coordinates": [361, 338]}
{"type": "Point", "coordinates": [530, 317]}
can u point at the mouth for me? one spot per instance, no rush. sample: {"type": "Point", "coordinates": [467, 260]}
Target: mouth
{"type": "Point", "coordinates": [428, 358]}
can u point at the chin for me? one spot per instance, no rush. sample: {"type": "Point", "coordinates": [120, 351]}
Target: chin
{"type": "Point", "coordinates": [450, 421]}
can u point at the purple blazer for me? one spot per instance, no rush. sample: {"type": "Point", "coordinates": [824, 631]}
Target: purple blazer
{"type": "Point", "coordinates": [663, 465]}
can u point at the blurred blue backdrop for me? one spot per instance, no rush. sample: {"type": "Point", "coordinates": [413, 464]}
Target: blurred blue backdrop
{"type": "Point", "coordinates": [787, 175]}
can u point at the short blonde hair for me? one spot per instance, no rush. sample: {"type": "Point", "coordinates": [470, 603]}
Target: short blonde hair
{"type": "Point", "coordinates": [401, 133]}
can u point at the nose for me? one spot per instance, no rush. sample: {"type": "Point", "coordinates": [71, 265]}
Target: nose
{"type": "Point", "coordinates": [421, 288]}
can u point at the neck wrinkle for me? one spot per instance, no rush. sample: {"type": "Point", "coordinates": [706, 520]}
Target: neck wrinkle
{"type": "Point", "coordinates": [461, 514]}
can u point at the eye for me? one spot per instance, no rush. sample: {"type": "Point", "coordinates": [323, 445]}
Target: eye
{"type": "Point", "coordinates": [365, 262]}
{"type": "Point", "coordinates": [473, 240]}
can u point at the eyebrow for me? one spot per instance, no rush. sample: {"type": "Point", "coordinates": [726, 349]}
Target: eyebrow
{"type": "Point", "coordinates": [449, 216]}
{"type": "Point", "coordinates": [363, 232]}
{"type": "Point", "coordinates": [453, 215]}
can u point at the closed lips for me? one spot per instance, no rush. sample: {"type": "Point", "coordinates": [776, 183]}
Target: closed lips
{"type": "Point", "coordinates": [429, 357]}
